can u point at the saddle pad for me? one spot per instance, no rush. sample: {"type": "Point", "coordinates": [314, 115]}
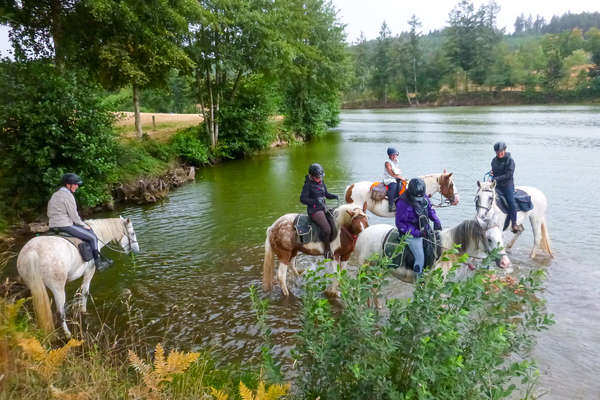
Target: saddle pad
{"type": "Point", "coordinates": [84, 248]}
{"type": "Point", "coordinates": [306, 230]}
{"type": "Point", "coordinates": [406, 258]}
{"type": "Point", "coordinates": [522, 199]}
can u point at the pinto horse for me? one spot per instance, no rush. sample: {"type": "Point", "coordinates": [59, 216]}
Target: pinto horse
{"type": "Point", "coordinates": [52, 261]}
{"type": "Point", "coordinates": [282, 241]}
{"type": "Point", "coordinates": [473, 236]}
{"type": "Point", "coordinates": [486, 207]}
{"type": "Point", "coordinates": [360, 193]}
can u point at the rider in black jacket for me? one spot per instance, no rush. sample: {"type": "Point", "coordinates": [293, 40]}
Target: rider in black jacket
{"type": "Point", "coordinates": [503, 169]}
{"type": "Point", "coordinates": [313, 195]}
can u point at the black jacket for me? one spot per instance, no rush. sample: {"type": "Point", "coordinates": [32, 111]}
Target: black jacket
{"type": "Point", "coordinates": [313, 195]}
{"type": "Point", "coordinates": [503, 169]}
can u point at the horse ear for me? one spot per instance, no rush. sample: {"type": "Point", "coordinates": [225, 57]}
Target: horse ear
{"type": "Point", "coordinates": [365, 207]}
{"type": "Point", "coordinates": [479, 184]}
{"type": "Point", "coordinates": [128, 220]}
{"type": "Point", "coordinates": [450, 174]}
{"type": "Point", "coordinates": [444, 170]}
{"type": "Point", "coordinates": [493, 184]}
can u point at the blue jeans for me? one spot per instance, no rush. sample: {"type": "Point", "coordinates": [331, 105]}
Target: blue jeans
{"type": "Point", "coordinates": [84, 234]}
{"type": "Point", "coordinates": [416, 246]}
{"type": "Point", "coordinates": [509, 193]}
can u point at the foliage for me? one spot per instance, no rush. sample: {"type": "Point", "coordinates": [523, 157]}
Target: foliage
{"type": "Point", "coordinates": [270, 367]}
{"type": "Point", "coordinates": [189, 148]}
{"type": "Point", "coordinates": [52, 122]}
{"type": "Point", "coordinates": [163, 371]}
{"type": "Point", "coordinates": [46, 362]}
{"type": "Point", "coordinates": [454, 339]}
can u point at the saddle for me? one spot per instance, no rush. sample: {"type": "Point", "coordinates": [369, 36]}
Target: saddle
{"type": "Point", "coordinates": [307, 231]}
{"type": "Point", "coordinates": [85, 250]}
{"type": "Point", "coordinates": [379, 190]}
{"type": "Point", "coordinates": [522, 199]}
{"type": "Point", "coordinates": [405, 258]}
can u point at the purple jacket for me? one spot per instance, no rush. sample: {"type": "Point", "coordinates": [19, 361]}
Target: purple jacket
{"type": "Point", "coordinates": [407, 220]}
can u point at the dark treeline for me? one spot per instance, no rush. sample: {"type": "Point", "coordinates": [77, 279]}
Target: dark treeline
{"type": "Point", "coordinates": [236, 62]}
{"type": "Point", "coordinates": [472, 61]}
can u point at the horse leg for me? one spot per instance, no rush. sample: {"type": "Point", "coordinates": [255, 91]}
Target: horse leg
{"type": "Point", "coordinates": [293, 266]}
{"type": "Point", "coordinates": [85, 287]}
{"type": "Point", "coordinates": [536, 226]}
{"type": "Point", "coordinates": [332, 290]}
{"type": "Point", "coordinates": [59, 298]}
{"type": "Point", "coordinates": [513, 240]}
{"type": "Point", "coordinates": [282, 277]}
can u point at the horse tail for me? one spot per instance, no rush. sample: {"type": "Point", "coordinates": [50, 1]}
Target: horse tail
{"type": "Point", "coordinates": [546, 239]}
{"type": "Point", "coordinates": [349, 194]}
{"type": "Point", "coordinates": [27, 265]}
{"type": "Point", "coordinates": [268, 264]}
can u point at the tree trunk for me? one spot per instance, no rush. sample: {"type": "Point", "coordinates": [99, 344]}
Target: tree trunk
{"type": "Point", "coordinates": [136, 111]}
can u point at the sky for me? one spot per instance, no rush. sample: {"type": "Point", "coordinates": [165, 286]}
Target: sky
{"type": "Point", "coordinates": [367, 15]}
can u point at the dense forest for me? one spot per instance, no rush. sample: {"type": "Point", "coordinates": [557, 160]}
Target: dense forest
{"type": "Point", "coordinates": [539, 62]}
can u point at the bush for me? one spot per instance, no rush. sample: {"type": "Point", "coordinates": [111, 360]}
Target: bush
{"type": "Point", "coordinates": [189, 148]}
{"type": "Point", "coordinates": [452, 340]}
{"type": "Point", "coordinates": [52, 122]}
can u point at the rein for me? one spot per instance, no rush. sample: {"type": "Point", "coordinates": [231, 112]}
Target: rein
{"type": "Point", "coordinates": [107, 245]}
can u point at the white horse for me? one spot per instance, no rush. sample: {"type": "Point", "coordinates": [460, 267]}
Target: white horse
{"type": "Point", "coordinates": [473, 238]}
{"type": "Point", "coordinates": [52, 261]}
{"type": "Point", "coordinates": [360, 193]}
{"type": "Point", "coordinates": [486, 207]}
{"type": "Point", "coordinates": [282, 241]}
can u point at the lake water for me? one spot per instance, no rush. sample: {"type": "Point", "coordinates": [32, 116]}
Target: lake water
{"type": "Point", "coordinates": [203, 248]}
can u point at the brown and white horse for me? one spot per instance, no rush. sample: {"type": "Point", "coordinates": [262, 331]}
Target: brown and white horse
{"type": "Point", "coordinates": [282, 241]}
{"type": "Point", "coordinates": [360, 193]}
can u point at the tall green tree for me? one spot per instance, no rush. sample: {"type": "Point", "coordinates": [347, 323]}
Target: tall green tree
{"type": "Point", "coordinates": [414, 51]}
{"type": "Point", "coordinates": [132, 43]}
{"type": "Point", "coordinates": [553, 71]}
{"type": "Point", "coordinates": [382, 63]}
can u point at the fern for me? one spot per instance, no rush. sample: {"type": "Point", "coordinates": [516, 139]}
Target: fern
{"type": "Point", "coordinates": [46, 363]}
{"type": "Point", "coordinates": [218, 394]}
{"type": "Point", "coordinates": [163, 370]}
{"type": "Point", "coordinates": [274, 392]}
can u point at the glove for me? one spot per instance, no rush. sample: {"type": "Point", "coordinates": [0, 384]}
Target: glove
{"type": "Point", "coordinates": [335, 196]}
{"type": "Point", "coordinates": [437, 227]}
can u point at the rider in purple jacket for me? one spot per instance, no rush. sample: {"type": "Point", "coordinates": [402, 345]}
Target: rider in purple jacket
{"type": "Point", "coordinates": [413, 212]}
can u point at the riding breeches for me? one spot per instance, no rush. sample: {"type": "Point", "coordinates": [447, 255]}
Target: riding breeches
{"type": "Point", "coordinates": [416, 247]}
{"type": "Point", "coordinates": [393, 193]}
{"type": "Point", "coordinates": [509, 193]}
{"type": "Point", "coordinates": [320, 219]}
{"type": "Point", "coordinates": [84, 234]}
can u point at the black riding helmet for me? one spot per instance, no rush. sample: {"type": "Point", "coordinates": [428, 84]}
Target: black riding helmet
{"type": "Point", "coordinates": [71, 179]}
{"type": "Point", "coordinates": [499, 146]}
{"type": "Point", "coordinates": [316, 170]}
{"type": "Point", "coordinates": [391, 151]}
{"type": "Point", "coordinates": [416, 187]}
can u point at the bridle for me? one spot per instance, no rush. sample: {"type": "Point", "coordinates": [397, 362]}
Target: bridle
{"type": "Point", "coordinates": [444, 200]}
{"type": "Point", "coordinates": [130, 242]}
{"type": "Point", "coordinates": [478, 205]}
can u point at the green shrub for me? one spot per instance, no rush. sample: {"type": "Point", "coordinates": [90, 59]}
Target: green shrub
{"type": "Point", "coordinates": [52, 122]}
{"type": "Point", "coordinates": [451, 340]}
{"type": "Point", "coordinates": [189, 147]}
{"type": "Point", "coordinates": [144, 157]}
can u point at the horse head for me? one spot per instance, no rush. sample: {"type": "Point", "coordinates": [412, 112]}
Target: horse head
{"type": "Point", "coordinates": [484, 201]}
{"type": "Point", "coordinates": [129, 241]}
{"type": "Point", "coordinates": [491, 236]}
{"type": "Point", "coordinates": [447, 187]}
{"type": "Point", "coordinates": [359, 220]}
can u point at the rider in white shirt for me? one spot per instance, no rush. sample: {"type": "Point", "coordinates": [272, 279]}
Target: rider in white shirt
{"type": "Point", "coordinates": [392, 176]}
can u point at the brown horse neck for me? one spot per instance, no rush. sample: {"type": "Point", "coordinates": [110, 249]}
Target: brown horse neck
{"type": "Point", "coordinates": [347, 243]}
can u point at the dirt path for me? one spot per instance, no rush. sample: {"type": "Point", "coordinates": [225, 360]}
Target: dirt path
{"type": "Point", "coordinates": [166, 124]}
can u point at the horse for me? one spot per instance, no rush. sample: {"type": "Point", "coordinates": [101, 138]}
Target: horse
{"type": "Point", "coordinates": [443, 183]}
{"type": "Point", "coordinates": [486, 207]}
{"type": "Point", "coordinates": [52, 261]}
{"type": "Point", "coordinates": [281, 240]}
{"type": "Point", "coordinates": [471, 235]}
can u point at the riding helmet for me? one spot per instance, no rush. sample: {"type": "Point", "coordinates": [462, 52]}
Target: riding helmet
{"type": "Point", "coordinates": [416, 187]}
{"type": "Point", "coordinates": [71, 178]}
{"type": "Point", "coordinates": [391, 151]}
{"type": "Point", "coordinates": [316, 170]}
{"type": "Point", "coordinates": [499, 146]}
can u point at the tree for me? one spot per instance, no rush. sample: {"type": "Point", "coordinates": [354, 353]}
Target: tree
{"type": "Point", "coordinates": [414, 51]}
{"type": "Point", "coordinates": [553, 71]}
{"type": "Point", "coordinates": [382, 64]}
{"type": "Point", "coordinates": [130, 42]}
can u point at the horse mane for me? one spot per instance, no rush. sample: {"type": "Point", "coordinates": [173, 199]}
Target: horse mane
{"type": "Point", "coordinates": [106, 229]}
{"type": "Point", "coordinates": [467, 233]}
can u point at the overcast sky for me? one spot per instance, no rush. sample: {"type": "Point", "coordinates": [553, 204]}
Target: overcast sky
{"type": "Point", "coordinates": [367, 15]}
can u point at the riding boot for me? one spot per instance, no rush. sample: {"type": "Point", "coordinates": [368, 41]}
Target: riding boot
{"type": "Point", "coordinates": [391, 204]}
{"type": "Point", "coordinates": [101, 264]}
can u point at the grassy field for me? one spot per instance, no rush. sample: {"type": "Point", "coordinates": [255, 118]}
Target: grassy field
{"type": "Point", "coordinates": [165, 124]}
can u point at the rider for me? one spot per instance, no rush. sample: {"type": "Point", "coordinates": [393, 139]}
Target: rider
{"type": "Point", "coordinates": [63, 216]}
{"type": "Point", "coordinates": [392, 176]}
{"type": "Point", "coordinates": [503, 169]}
{"type": "Point", "coordinates": [313, 195]}
{"type": "Point", "coordinates": [413, 212]}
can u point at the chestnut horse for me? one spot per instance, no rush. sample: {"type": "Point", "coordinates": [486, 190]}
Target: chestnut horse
{"type": "Point", "coordinates": [360, 193]}
{"type": "Point", "coordinates": [282, 241]}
